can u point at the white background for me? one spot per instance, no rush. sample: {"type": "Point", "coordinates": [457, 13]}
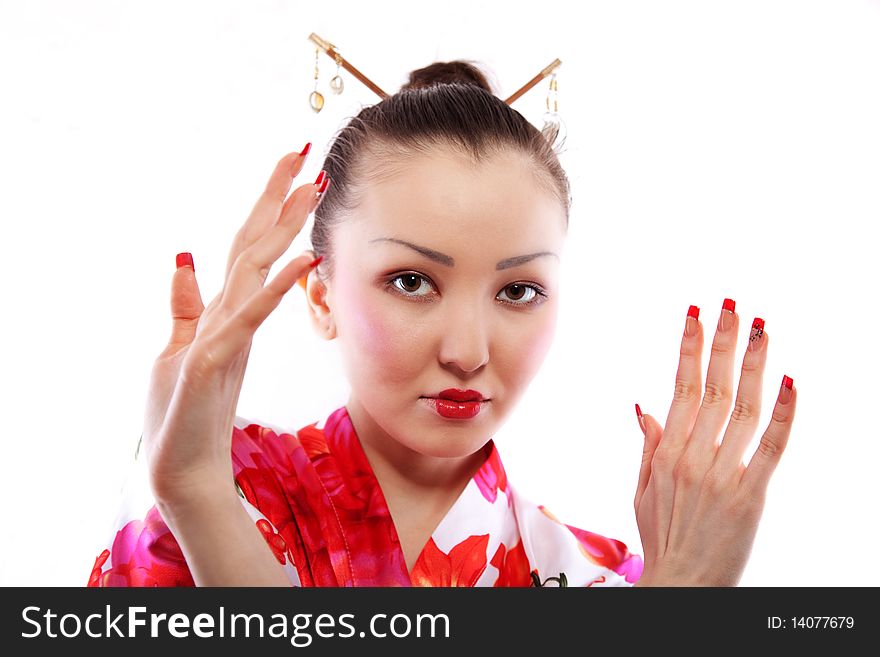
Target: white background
{"type": "Point", "coordinates": [715, 149]}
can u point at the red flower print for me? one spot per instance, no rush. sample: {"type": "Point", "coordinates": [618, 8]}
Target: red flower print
{"type": "Point", "coordinates": [513, 566]}
{"type": "Point", "coordinates": [607, 552]}
{"type": "Point", "coordinates": [144, 553]}
{"type": "Point", "coordinates": [323, 500]}
{"type": "Point", "coordinates": [461, 567]}
{"type": "Point", "coordinates": [279, 547]}
{"type": "Point", "coordinates": [270, 470]}
{"type": "Point", "coordinates": [313, 441]}
{"type": "Point", "coordinates": [96, 569]}
{"type": "Point", "coordinates": [491, 476]}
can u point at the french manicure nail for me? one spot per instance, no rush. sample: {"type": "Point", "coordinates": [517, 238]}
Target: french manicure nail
{"type": "Point", "coordinates": [690, 324]}
{"type": "Point", "coordinates": [185, 260]}
{"type": "Point", "coordinates": [785, 389]}
{"type": "Point", "coordinates": [756, 339]}
{"type": "Point", "coordinates": [640, 418]}
{"type": "Point", "coordinates": [324, 185]}
{"type": "Point", "coordinates": [725, 322]}
{"type": "Point", "coordinates": [299, 162]}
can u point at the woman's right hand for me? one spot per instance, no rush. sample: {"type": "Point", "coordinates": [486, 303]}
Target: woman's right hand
{"type": "Point", "coordinates": [196, 380]}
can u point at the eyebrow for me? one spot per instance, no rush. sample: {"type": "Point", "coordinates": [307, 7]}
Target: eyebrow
{"type": "Point", "coordinates": [448, 261]}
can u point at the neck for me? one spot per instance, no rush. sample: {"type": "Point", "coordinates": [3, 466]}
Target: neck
{"type": "Point", "coordinates": [419, 489]}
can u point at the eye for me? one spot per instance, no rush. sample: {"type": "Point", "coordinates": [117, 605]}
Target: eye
{"type": "Point", "coordinates": [418, 287]}
{"type": "Point", "coordinates": [409, 284]}
{"type": "Point", "coordinates": [522, 294]}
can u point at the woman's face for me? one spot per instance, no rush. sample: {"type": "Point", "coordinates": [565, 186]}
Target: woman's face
{"type": "Point", "coordinates": [446, 277]}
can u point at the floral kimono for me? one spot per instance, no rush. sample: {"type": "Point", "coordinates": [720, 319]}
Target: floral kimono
{"type": "Point", "coordinates": [314, 497]}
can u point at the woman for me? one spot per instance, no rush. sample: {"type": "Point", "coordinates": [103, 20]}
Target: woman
{"type": "Point", "coordinates": [441, 223]}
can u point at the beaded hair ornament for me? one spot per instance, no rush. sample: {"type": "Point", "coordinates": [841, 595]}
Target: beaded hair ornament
{"type": "Point", "coordinates": [553, 124]}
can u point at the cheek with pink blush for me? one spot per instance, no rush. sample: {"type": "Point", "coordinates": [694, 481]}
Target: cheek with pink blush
{"type": "Point", "coordinates": [541, 342]}
{"type": "Point", "coordinates": [383, 342]}
{"type": "Point", "coordinates": [523, 354]}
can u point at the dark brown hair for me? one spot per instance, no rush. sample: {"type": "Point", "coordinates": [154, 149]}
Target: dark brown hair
{"type": "Point", "coordinates": [446, 104]}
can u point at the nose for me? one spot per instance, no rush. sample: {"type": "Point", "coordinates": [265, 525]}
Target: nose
{"type": "Point", "coordinates": [464, 341]}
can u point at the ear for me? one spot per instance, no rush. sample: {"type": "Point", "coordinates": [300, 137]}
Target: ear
{"type": "Point", "coordinates": [316, 297]}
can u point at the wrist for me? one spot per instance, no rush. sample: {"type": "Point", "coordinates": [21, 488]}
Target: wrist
{"type": "Point", "coordinates": [198, 498]}
{"type": "Point", "coordinates": [665, 575]}
{"type": "Point", "coordinates": [643, 581]}
{"type": "Point", "coordinates": [217, 536]}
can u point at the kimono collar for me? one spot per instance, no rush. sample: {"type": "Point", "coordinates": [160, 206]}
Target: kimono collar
{"type": "Point", "coordinates": [456, 548]}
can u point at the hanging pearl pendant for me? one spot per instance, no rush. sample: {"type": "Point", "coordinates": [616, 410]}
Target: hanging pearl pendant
{"type": "Point", "coordinates": [336, 84]}
{"type": "Point", "coordinates": [316, 100]}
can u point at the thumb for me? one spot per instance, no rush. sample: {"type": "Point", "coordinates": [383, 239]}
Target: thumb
{"type": "Point", "coordinates": [186, 301]}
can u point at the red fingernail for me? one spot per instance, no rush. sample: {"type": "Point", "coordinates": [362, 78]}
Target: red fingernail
{"type": "Point", "coordinates": [726, 320]}
{"type": "Point", "coordinates": [785, 389]}
{"type": "Point", "coordinates": [305, 150]}
{"type": "Point", "coordinates": [314, 263]}
{"type": "Point", "coordinates": [324, 185]}
{"type": "Point", "coordinates": [185, 259]}
{"type": "Point", "coordinates": [690, 327]}
{"type": "Point", "coordinates": [755, 338]}
{"type": "Point", "coordinates": [640, 418]}
{"type": "Point", "coordinates": [320, 177]}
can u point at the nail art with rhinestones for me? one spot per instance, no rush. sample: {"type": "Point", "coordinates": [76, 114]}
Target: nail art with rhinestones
{"type": "Point", "coordinates": [756, 339]}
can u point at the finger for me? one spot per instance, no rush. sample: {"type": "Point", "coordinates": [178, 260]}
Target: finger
{"type": "Point", "coordinates": [268, 206]}
{"type": "Point", "coordinates": [747, 408]}
{"type": "Point", "coordinates": [757, 475]}
{"type": "Point", "coordinates": [186, 309]}
{"type": "Point", "coordinates": [652, 433]}
{"type": "Point", "coordinates": [186, 303]}
{"type": "Point", "coordinates": [252, 266]}
{"type": "Point", "coordinates": [236, 333]}
{"type": "Point", "coordinates": [290, 213]}
{"type": "Point", "coordinates": [679, 422]}
{"type": "Point", "coordinates": [718, 394]}
{"type": "Point", "coordinates": [688, 385]}
{"type": "Point", "coordinates": [701, 448]}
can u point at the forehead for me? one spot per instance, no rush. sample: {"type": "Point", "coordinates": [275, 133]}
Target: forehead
{"type": "Point", "coordinates": [444, 200]}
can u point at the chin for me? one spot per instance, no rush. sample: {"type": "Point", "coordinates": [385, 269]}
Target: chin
{"type": "Point", "coordinates": [452, 438]}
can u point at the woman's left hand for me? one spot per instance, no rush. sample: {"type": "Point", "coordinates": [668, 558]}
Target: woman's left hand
{"type": "Point", "coordinates": [697, 506]}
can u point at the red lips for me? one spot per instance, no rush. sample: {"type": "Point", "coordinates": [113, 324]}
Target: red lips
{"type": "Point", "coordinates": [460, 395]}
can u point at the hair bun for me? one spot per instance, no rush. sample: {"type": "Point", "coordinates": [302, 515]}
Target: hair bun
{"type": "Point", "coordinates": [445, 73]}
